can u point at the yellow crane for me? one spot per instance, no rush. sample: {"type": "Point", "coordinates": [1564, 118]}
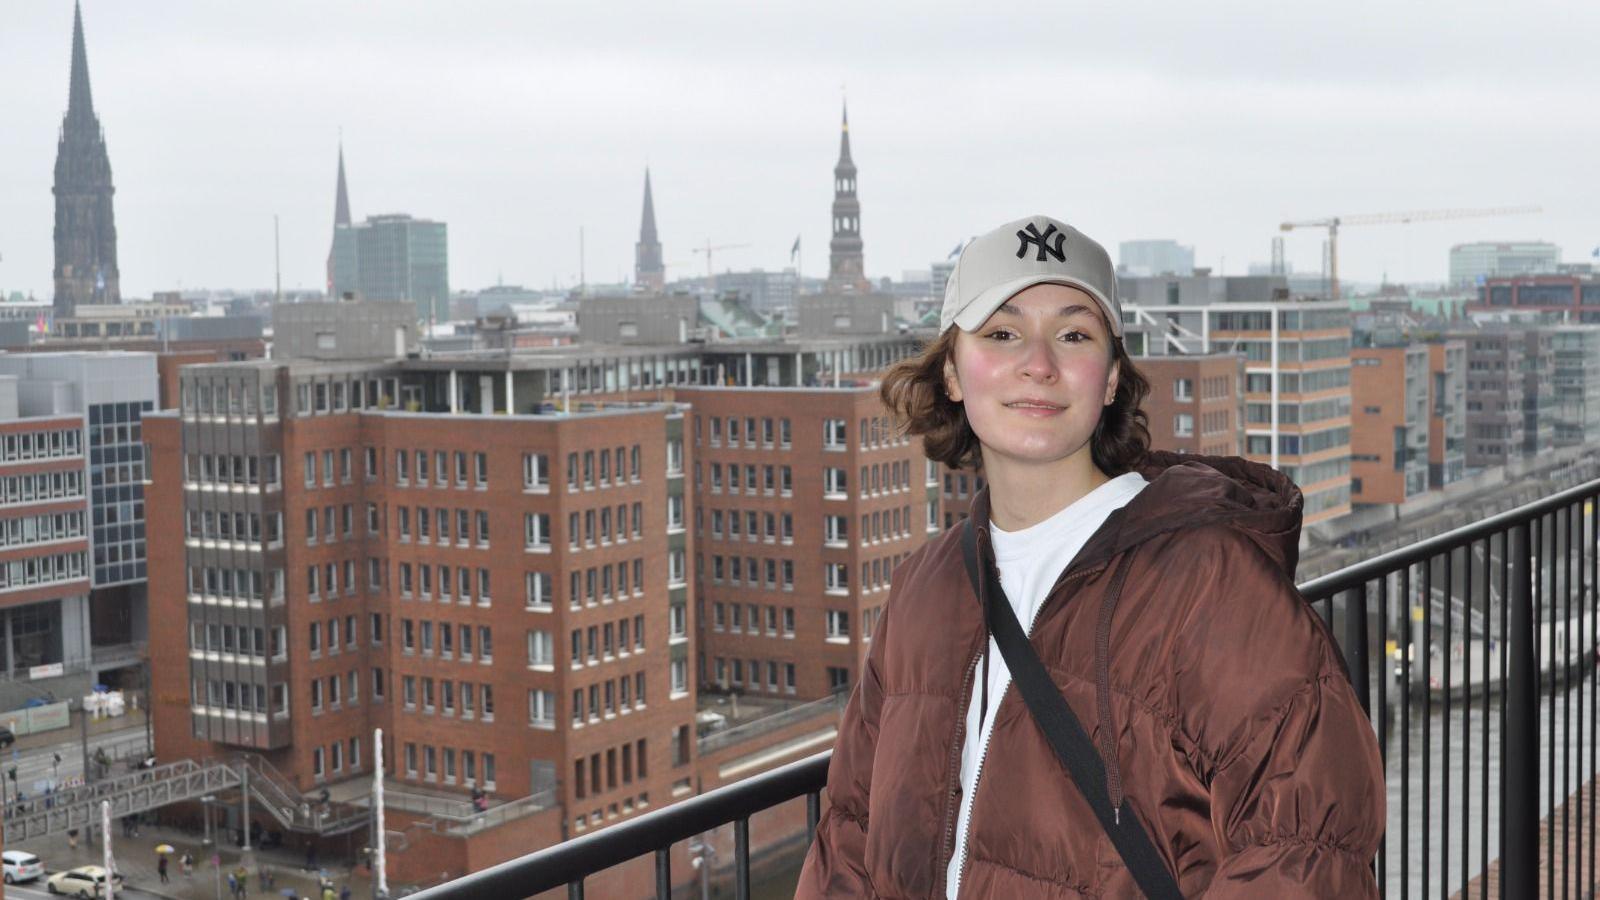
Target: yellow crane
{"type": "Point", "coordinates": [711, 275]}
{"type": "Point", "coordinates": [1398, 218]}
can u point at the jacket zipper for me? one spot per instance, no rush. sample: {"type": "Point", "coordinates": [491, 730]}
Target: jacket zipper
{"type": "Point", "coordinates": [983, 752]}
{"type": "Point", "coordinates": [953, 770]}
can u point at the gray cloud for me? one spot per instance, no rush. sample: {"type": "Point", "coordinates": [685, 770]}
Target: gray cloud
{"type": "Point", "coordinates": [517, 123]}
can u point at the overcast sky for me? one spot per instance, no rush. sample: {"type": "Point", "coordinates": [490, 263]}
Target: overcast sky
{"type": "Point", "coordinates": [517, 122]}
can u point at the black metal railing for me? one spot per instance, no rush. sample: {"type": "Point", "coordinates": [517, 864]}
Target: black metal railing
{"type": "Point", "coordinates": [1471, 650]}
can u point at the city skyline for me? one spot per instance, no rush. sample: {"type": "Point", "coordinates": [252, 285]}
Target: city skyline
{"type": "Point", "coordinates": [544, 121]}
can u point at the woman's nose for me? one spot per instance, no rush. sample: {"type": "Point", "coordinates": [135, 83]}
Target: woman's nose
{"type": "Point", "coordinates": [1037, 361]}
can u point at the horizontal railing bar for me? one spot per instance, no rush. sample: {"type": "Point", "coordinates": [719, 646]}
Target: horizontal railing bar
{"type": "Point", "coordinates": [1357, 574]}
{"type": "Point", "coordinates": [572, 860]}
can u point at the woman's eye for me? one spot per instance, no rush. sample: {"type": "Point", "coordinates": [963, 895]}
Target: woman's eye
{"type": "Point", "coordinates": [1075, 337]}
{"type": "Point", "coordinates": [999, 335]}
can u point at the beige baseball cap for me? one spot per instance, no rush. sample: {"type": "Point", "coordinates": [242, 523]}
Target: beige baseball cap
{"type": "Point", "coordinates": [997, 265]}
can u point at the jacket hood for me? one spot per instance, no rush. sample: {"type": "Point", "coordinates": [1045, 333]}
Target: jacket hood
{"type": "Point", "coordinates": [1188, 490]}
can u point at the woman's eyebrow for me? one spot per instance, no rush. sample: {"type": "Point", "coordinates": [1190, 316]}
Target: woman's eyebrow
{"type": "Point", "coordinates": [1063, 312]}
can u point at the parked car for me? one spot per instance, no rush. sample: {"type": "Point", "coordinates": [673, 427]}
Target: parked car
{"type": "Point", "coordinates": [84, 881]}
{"type": "Point", "coordinates": [6, 737]}
{"type": "Point", "coordinates": [21, 866]}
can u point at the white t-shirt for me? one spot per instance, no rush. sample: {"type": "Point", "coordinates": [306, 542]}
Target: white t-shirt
{"type": "Point", "coordinates": [1029, 562]}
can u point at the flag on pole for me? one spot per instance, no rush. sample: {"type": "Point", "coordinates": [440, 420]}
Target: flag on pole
{"type": "Point", "coordinates": [795, 250]}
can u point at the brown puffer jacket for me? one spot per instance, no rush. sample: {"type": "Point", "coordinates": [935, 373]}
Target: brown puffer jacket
{"type": "Point", "coordinates": [1239, 741]}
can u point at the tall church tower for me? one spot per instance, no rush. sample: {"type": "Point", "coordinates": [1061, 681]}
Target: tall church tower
{"type": "Point", "coordinates": [846, 271]}
{"type": "Point", "coordinates": [341, 216]}
{"type": "Point", "coordinates": [648, 271]}
{"type": "Point", "coordinates": [86, 231]}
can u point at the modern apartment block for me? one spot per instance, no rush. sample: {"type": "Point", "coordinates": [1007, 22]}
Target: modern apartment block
{"type": "Point", "coordinates": [1196, 403]}
{"type": "Point", "coordinates": [1566, 298]}
{"type": "Point", "coordinates": [1576, 381]}
{"type": "Point", "coordinates": [1297, 368]}
{"type": "Point", "coordinates": [806, 500]}
{"type": "Point", "coordinates": [1538, 392]}
{"type": "Point", "coordinates": [1495, 424]}
{"type": "Point", "coordinates": [108, 393]}
{"type": "Point", "coordinates": [1447, 416]}
{"type": "Point", "coordinates": [1389, 451]}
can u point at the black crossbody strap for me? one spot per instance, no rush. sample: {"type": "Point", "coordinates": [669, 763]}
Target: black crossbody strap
{"type": "Point", "coordinates": [1071, 743]}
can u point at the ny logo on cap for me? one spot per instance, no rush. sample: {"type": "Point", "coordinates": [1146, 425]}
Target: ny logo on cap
{"type": "Point", "coordinates": [1031, 235]}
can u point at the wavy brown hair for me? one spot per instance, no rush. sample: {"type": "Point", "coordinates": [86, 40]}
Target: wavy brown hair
{"type": "Point", "coordinates": [913, 389]}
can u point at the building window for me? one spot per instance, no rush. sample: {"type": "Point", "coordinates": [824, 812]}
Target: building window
{"type": "Point", "coordinates": [838, 625]}
{"type": "Point", "coordinates": [1183, 389]}
{"type": "Point", "coordinates": [1183, 425]}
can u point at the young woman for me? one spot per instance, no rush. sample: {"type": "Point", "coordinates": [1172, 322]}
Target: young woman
{"type": "Point", "coordinates": [1157, 591]}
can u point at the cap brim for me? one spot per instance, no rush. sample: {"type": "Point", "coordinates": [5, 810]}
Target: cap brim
{"type": "Point", "coordinates": [983, 306]}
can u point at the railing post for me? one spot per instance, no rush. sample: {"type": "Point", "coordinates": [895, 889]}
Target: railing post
{"type": "Point", "coordinates": [1519, 872]}
{"type": "Point", "coordinates": [1355, 644]}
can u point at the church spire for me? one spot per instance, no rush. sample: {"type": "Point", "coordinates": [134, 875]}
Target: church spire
{"type": "Point", "coordinates": [80, 103]}
{"type": "Point", "coordinates": [85, 227]}
{"type": "Point", "coordinates": [648, 271]}
{"type": "Point", "coordinates": [341, 202]}
{"type": "Point", "coordinates": [846, 270]}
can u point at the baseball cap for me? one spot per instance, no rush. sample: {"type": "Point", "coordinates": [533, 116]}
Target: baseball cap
{"type": "Point", "coordinates": [997, 265]}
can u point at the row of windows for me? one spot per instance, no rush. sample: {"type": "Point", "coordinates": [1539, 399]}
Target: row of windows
{"type": "Point", "coordinates": [733, 616]}
{"type": "Point", "coordinates": [597, 643]}
{"type": "Point", "coordinates": [231, 470]}
{"type": "Point", "coordinates": [602, 584]}
{"type": "Point", "coordinates": [20, 573]}
{"type": "Point", "coordinates": [417, 636]}
{"type": "Point", "coordinates": [238, 585]}
{"type": "Point", "coordinates": [595, 468]}
{"type": "Point", "coordinates": [606, 699]}
{"type": "Point", "coordinates": [252, 527]}
{"type": "Point", "coordinates": [749, 571]}
{"type": "Point", "coordinates": [424, 584]}
{"type": "Point", "coordinates": [53, 444]}
{"type": "Point", "coordinates": [749, 524]}
{"type": "Point", "coordinates": [333, 696]}
{"type": "Point", "coordinates": [446, 697]}
{"type": "Point", "coordinates": [429, 770]}
{"type": "Point", "coordinates": [345, 472]}
{"type": "Point", "coordinates": [242, 640]}
{"type": "Point", "coordinates": [239, 696]}
{"type": "Point", "coordinates": [595, 527]}
{"type": "Point", "coordinates": [323, 581]}
{"type": "Point", "coordinates": [41, 486]}
{"type": "Point", "coordinates": [440, 470]}
{"type": "Point", "coordinates": [955, 484]}
{"type": "Point", "coordinates": [586, 774]}
{"type": "Point", "coordinates": [333, 631]}
{"type": "Point", "coordinates": [24, 530]}
{"type": "Point", "coordinates": [731, 673]}
{"type": "Point", "coordinates": [336, 752]}
{"type": "Point", "coordinates": [470, 525]}
{"type": "Point", "coordinates": [321, 397]}
{"type": "Point", "coordinates": [882, 525]}
{"type": "Point", "coordinates": [774, 479]}
{"type": "Point", "coordinates": [1298, 382]}
{"type": "Point", "coordinates": [223, 397]}
{"type": "Point", "coordinates": [774, 432]}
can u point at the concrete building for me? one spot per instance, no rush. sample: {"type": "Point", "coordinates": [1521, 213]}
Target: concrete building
{"type": "Point", "coordinates": [1570, 298]}
{"type": "Point", "coordinates": [1447, 416]}
{"type": "Point", "coordinates": [1390, 422]}
{"type": "Point", "coordinates": [1196, 403]}
{"type": "Point", "coordinates": [1538, 392]}
{"type": "Point", "coordinates": [394, 257]}
{"type": "Point", "coordinates": [1575, 379]}
{"type": "Point", "coordinates": [108, 394]}
{"type": "Point", "coordinates": [1494, 390]}
{"type": "Point", "coordinates": [1154, 258]}
{"type": "Point", "coordinates": [1297, 368]}
{"type": "Point", "coordinates": [1471, 264]}
{"type": "Point", "coordinates": [343, 330]}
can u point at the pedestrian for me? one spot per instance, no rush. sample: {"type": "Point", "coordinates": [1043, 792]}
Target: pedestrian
{"type": "Point", "coordinates": [187, 864]}
{"type": "Point", "coordinates": [242, 875]}
{"type": "Point", "coordinates": [344, 893]}
{"type": "Point", "coordinates": [1145, 604]}
{"type": "Point", "coordinates": [161, 867]}
{"type": "Point", "coordinates": [72, 838]}
{"type": "Point", "coordinates": [327, 892]}
{"type": "Point", "coordinates": [262, 877]}
{"type": "Point", "coordinates": [233, 885]}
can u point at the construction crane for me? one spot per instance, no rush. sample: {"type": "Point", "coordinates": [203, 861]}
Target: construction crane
{"type": "Point", "coordinates": [711, 275]}
{"type": "Point", "coordinates": [1399, 218]}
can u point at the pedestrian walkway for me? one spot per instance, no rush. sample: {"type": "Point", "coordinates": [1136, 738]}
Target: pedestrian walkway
{"type": "Point", "coordinates": [136, 859]}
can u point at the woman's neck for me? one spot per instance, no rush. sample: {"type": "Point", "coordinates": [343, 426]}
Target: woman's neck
{"type": "Point", "coordinates": [1024, 494]}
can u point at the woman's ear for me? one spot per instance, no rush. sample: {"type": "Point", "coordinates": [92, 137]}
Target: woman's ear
{"type": "Point", "coordinates": [952, 384]}
{"type": "Point", "coordinates": [1111, 382]}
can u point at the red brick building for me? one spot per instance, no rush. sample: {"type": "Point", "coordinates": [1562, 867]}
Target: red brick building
{"type": "Point", "coordinates": [1196, 403]}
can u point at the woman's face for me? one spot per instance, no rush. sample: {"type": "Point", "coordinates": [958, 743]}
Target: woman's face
{"type": "Point", "coordinates": [1035, 377]}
